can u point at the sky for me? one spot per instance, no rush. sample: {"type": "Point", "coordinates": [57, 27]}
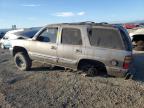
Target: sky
{"type": "Point", "coordinates": [30, 13]}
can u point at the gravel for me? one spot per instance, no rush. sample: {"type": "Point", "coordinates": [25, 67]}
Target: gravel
{"type": "Point", "coordinates": [43, 87]}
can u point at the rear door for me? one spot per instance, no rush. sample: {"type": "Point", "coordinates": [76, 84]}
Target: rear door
{"type": "Point", "coordinates": [71, 46]}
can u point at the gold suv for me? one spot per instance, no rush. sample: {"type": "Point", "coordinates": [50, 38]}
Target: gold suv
{"type": "Point", "coordinates": [87, 46]}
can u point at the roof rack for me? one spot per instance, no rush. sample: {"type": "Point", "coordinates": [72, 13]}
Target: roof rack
{"type": "Point", "coordinates": [87, 23]}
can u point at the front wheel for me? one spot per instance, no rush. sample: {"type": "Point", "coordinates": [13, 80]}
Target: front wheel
{"type": "Point", "coordinates": [22, 61]}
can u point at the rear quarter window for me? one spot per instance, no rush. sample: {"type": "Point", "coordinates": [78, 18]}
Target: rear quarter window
{"type": "Point", "coordinates": [107, 38]}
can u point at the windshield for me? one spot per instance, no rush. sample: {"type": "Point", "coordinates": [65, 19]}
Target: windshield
{"type": "Point", "coordinates": [2, 34]}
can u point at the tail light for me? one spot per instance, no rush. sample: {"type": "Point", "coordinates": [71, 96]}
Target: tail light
{"type": "Point", "coordinates": [127, 62]}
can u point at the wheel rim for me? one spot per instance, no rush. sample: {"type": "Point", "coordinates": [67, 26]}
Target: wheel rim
{"type": "Point", "coordinates": [90, 69]}
{"type": "Point", "coordinates": [19, 62]}
{"type": "Point", "coordinates": [87, 67]}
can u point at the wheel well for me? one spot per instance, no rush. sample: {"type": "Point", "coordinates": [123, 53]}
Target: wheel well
{"type": "Point", "coordinates": [100, 66]}
{"type": "Point", "coordinates": [17, 49]}
{"type": "Point", "coordinates": [138, 37]}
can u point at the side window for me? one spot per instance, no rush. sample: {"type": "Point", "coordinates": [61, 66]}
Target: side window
{"type": "Point", "coordinates": [108, 38]}
{"type": "Point", "coordinates": [71, 36]}
{"type": "Point", "coordinates": [48, 35]}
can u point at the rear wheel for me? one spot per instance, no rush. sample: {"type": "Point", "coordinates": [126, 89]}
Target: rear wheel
{"type": "Point", "coordinates": [22, 61]}
{"type": "Point", "coordinates": [89, 69]}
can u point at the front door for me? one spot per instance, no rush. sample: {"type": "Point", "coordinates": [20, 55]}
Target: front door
{"type": "Point", "coordinates": [44, 48]}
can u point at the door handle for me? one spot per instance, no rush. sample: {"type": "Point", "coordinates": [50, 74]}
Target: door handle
{"type": "Point", "coordinates": [53, 47]}
{"type": "Point", "coordinates": [78, 51]}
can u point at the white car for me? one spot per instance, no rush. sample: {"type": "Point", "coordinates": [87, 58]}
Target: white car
{"type": "Point", "coordinates": [137, 37]}
{"type": "Point", "coordinates": [16, 34]}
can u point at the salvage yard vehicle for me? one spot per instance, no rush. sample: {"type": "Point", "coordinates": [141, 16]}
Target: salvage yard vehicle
{"type": "Point", "coordinates": [16, 34]}
{"type": "Point", "coordinates": [137, 37]}
{"type": "Point", "coordinates": [86, 46]}
{"type": "Point", "coordinates": [130, 26]}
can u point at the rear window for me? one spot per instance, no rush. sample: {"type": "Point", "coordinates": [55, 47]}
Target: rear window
{"type": "Point", "coordinates": [28, 34]}
{"type": "Point", "coordinates": [105, 37]}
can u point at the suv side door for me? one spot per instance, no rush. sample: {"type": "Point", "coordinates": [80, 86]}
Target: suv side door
{"type": "Point", "coordinates": [44, 47]}
{"type": "Point", "coordinates": [70, 47]}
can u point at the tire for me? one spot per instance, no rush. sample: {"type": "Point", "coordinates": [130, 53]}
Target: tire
{"type": "Point", "coordinates": [89, 69]}
{"type": "Point", "coordinates": [22, 61]}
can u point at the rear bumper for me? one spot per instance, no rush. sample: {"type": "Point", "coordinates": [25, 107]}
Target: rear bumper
{"type": "Point", "coordinates": [117, 72]}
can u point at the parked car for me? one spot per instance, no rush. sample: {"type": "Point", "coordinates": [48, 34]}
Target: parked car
{"type": "Point", "coordinates": [130, 26]}
{"type": "Point", "coordinates": [88, 47]}
{"type": "Point", "coordinates": [141, 25]}
{"type": "Point", "coordinates": [16, 34]}
{"type": "Point", "coordinates": [137, 37]}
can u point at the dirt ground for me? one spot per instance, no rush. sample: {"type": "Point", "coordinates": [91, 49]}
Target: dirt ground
{"type": "Point", "coordinates": [43, 87]}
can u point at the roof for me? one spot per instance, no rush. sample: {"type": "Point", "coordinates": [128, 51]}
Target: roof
{"type": "Point", "coordinates": [87, 23]}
